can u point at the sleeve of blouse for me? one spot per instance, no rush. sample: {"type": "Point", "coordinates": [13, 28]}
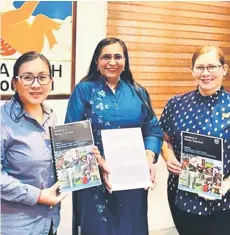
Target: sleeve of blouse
{"type": "Point", "coordinates": [166, 119]}
{"type": "Point", "coordinates": [152, 134]}
{"type": "Point", "coordinates": [12, 189]}
{"type": "Point", "coordinates": [76, 105]}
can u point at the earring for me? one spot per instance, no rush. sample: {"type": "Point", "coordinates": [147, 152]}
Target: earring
{"type": "Point", "coordinates": [97, 70]}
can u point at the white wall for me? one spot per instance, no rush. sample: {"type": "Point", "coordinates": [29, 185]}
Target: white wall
{"type": "Point", "coordinates": [159, 215]}
{"type": "Point", "coordinates": [91, 28]}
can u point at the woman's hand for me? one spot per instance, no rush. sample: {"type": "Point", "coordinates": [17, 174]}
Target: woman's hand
{"type": "Point", "coordinates": [225, 186]}
{"type": "Point", "coordinates": [50, 197]}
{"type": "Point", "coordinates": [103, 167]}
{"type": "Point", "coordinates": [173, 165]}
{"type": "Point", "coordinates": [152, 167]}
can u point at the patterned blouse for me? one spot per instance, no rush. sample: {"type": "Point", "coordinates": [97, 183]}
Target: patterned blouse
{"type": "Point", "coordinates": [207, 115]}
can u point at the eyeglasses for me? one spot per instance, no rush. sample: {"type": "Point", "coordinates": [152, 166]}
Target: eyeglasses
{"type": "Point", "coordinates": [28, 79]}
{"type": "Point", "coordinates": [107, 57]}
{"type": "Point", "coordinates": [212, 68]}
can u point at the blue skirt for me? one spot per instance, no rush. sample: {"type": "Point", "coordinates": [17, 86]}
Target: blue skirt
{"type": "Point", "coordinates": [99, 213]}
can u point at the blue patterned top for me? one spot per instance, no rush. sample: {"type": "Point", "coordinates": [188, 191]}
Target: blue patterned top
{"type": "Point", "coordinates": [95, 101]}
{"type": "Point", "coordinates": [107, 110]}
{"type": "Point", "coordinates": [207, 115]}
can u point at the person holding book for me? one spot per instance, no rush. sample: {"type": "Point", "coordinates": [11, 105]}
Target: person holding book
{"type": "Point", "coordinates": [203, 111]}
{"type": "Point", "coordinates": [110, 99]}
{"type": "Point", "coordinates": [29, 203]}
{"type": "Point", "coordinates": [29, 200]}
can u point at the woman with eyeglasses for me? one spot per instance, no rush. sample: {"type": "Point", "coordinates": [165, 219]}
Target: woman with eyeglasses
{"type": "Point", "coordinates": [109, 97]}
{"type": "Point", "coordinates": [204, 111]}
{"type": "Point", "coordinates": [29, 199]}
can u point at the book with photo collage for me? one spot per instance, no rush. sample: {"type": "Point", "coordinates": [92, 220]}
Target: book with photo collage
{"type": "Point", "coordinates": [202, 164]}
{"type": "Point", "coordinates": [76, 167]}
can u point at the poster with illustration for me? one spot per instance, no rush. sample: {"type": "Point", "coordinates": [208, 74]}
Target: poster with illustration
{"type": "Point", "coordinates": [48, 27]}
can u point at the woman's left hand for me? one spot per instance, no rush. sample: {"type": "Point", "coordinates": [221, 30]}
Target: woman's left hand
{"type": "Point", "coordinates": [225, 186]}
{"type": "Point", "coordinates": [152, 167]}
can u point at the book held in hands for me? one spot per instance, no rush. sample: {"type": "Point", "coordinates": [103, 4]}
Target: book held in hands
{"type": "Point", "coordinates": [202, 165]}
{"type": "Point", "coordinates": [76, 167]}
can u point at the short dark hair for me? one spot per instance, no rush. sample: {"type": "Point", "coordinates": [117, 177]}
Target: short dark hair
{"type": "Point", "coordinates": [92, 74]}
{"type": "Point", "coordinates": [26, 57]}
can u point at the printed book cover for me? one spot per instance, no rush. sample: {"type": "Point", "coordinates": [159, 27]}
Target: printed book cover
{"type": "Point", "coordinates": [202, 164]}
{"type": "Point", "coordinates": [76, 167]}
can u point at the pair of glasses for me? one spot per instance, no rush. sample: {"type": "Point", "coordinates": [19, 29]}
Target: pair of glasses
{"type": "Point", "coordinates": [28, 79]}
{"type": "Point", "coordinates": [108, 57]}
{"type": "Point", "coordinates": [212, 68]}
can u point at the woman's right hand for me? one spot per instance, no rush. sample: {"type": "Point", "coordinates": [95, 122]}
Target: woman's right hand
{"type": "Point", "coordinates": [50, 197]}
{"type": "Point", "coordinates": [173, 165]}
{"type": "Point", "coordinates": [105, 173]}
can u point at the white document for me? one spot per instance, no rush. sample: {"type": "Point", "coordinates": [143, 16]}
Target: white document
{"type": "Point", "coordinates": [126, 158]}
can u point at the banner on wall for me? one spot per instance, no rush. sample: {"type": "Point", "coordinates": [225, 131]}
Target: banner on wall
{"type": "Point", "coordinates": [48, 27]}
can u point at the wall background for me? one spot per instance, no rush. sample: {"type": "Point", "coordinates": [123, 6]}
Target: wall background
{"type": "Point", "coordinates": [161, 37]}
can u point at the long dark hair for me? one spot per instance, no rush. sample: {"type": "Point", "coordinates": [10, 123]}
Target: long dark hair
{"type": "Point", "coordinates": [145, 99]}
{"type": "Point", "coordinates": [26, 57]}
{"type": "Point", "coordinates": [93, 74]}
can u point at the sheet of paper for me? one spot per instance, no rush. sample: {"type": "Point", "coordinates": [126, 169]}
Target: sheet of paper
{"type": "Point", "coordinates": [125, 155]}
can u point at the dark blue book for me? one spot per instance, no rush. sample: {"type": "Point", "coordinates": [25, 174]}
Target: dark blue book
{"type": "Point", "coordinates": [76, 167]}
{"type": "Point", "coordinates": [202, 165]}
